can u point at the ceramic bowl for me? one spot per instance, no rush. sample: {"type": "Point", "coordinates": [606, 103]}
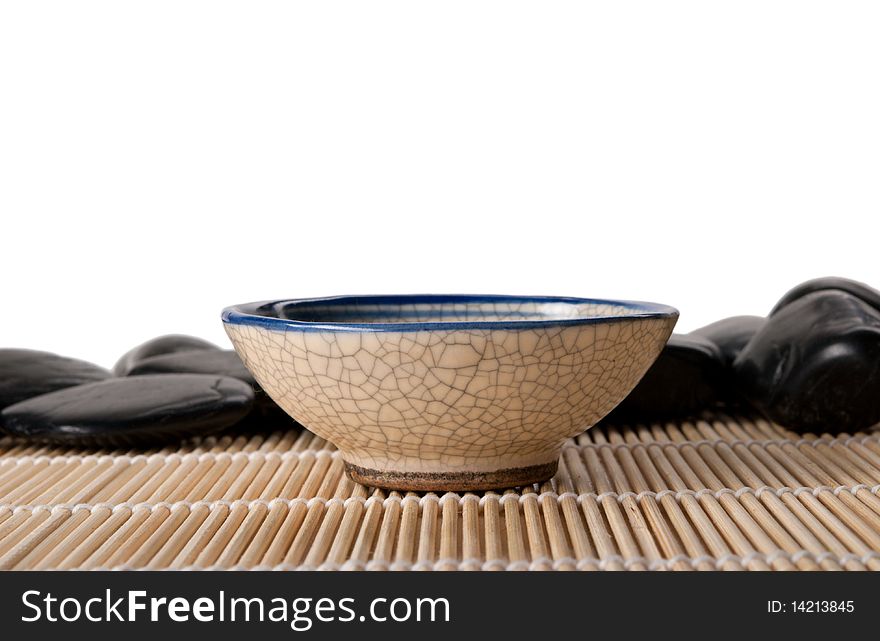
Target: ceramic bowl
{"type": "Point", "coordinates": [448, 392]}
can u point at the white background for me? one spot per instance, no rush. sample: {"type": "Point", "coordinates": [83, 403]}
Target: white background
{"type": "Point", "coordinates": [160, 160]}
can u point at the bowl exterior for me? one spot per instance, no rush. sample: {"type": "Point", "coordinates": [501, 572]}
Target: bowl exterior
{"type": "Point", "coordinates": [417, 407]}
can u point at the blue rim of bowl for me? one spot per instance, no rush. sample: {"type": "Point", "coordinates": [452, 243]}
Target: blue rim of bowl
{"type": "Point", "coordinates": [255, 314]}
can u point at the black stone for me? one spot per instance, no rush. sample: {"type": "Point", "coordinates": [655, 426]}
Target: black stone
{"type": "Point", "coordinates": [731, 334]}
{"type": "Point", "coordinates": [686, 379]}
{"type": "Point", "coordinates": [133, 411]}
{"type": "Point", "coordinates": [860, 290]}
{"type": "Point", "coordinates": [25, 373]}
{"type": "Point", "coordinates": [815, 365]}
{"type": "Point", "coordinates": [221, 363]}
{"type": "Point", "coordinates": [169, 344]}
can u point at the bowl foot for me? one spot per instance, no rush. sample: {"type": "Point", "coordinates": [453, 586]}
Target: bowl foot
{"type": "Point", "coordinates": [452, 481]}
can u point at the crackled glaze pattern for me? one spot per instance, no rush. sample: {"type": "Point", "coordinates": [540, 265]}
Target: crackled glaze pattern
{"type": "Point", "coordinates": [452, 401]}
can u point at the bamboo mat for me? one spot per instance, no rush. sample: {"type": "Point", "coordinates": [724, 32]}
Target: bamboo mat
{"type": "Point", "coordinates": [720, 493]}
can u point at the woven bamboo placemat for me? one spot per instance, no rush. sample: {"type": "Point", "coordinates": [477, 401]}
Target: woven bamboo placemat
{"type": "Point", "coordinates": [719, 493]}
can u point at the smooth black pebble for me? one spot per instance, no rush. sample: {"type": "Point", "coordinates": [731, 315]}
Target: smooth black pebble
{"type": "Point", "coordinates": [686, 379]}
{"type": "Point", "coordinates": [815, 365]}
{"type": "Point", "coordinates": [25, 373]}
{"type": "Point", "coordinates": [169, 344]}
{"type": "Point", "coordinates": [731, 334]}
{"type": "Point", "coordinates": [864, 292]}
{"type": "Point", "coordinates": [133, 411]}
{"type": "Point", "coordinates": [223, 362]}
{"type": "Point", "coordinates": [266, 412]}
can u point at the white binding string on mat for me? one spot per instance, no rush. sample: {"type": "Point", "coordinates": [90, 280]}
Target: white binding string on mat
{"type": "Point", "coordinates": [421, 501]}
{"type": "Point", "coordinates": [613, 561]}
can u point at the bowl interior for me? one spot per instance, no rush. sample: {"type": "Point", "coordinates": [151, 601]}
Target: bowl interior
{"type": "Point", "coordinates": [376, 310]}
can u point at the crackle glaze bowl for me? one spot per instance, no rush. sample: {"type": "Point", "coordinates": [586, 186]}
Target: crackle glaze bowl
{"type": "Point", "coordinates": [436, 392]}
